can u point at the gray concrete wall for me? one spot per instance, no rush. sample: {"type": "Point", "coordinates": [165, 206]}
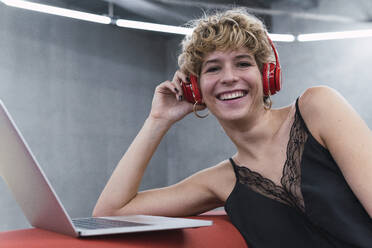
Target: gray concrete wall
{"type": "Point", "coordinates": [341, 64]}
{"type": "Point", "coordinates": [79, 93]}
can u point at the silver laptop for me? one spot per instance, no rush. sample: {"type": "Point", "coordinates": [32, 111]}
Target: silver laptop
{"type": "Point", "coordinates": [40, 204]}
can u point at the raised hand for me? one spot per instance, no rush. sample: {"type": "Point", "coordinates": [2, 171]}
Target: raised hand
{"type": "Point", "coordinates": [168, 104]}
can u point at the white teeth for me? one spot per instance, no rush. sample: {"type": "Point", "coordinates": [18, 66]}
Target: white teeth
{"type": "Point", "coordinates": [229, 96]}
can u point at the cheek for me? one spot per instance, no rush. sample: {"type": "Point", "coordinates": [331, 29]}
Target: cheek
{"type": "Point", "coordinates": [204, 86]}
{"type": "Point", "coordinates": [255, 79]}
{"type": "Point", "coordinates": [206, 89]}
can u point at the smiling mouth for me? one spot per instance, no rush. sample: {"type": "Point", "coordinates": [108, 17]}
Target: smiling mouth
{"type": "Point", "coordinates": [232, 95]}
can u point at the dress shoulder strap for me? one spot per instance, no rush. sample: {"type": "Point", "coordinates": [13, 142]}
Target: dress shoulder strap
{"type": "Point", "coordinates": [298, 113]}
{"type": "Point", "coordinates": [234, 167]}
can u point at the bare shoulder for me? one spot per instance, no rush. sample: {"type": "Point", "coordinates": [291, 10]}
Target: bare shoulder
{"type": "Point", "coordinates": [219, 179]}
{"type": "Point", "coordinates": [320, 106]}
{"type": "Point", "coordinates": [217, 173]}
{"type": "Point", "coordinates": [314, 98]}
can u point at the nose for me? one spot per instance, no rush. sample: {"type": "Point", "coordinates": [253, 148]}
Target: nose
{"type": "Point", "coordinates": [228, 76]}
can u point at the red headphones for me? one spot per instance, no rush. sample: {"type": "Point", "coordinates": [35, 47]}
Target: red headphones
{"type": "Point", "coordinates": [272, 74]}
{"type": "Point", "coordinates": [271, 79]}
{"type": "Point", "coordinates": [191, 90]}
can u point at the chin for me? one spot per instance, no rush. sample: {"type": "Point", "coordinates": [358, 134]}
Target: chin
{"type": "Point", "coordinates": [234, 115]}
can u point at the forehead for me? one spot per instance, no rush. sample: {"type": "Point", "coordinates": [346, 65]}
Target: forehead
{"type": "Point", "coordinates": [227, 54]}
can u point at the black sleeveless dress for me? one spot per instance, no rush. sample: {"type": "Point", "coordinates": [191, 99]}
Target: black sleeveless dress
{"type": "Point", "coordinates": [314, 206]}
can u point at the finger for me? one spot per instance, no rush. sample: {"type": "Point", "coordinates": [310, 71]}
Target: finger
{"type": "Point", "coordinates": [178, 92]}
{"type": "Point", "coordinates": [177, 83]}
{"type": "Point", "coordinates": [166, 88]}
{"type": "Point", "coordinates": [178, 78]}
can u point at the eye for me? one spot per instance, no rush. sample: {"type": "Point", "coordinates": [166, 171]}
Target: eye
{"type": "Point", "coordinates": [244, 64]}
{"type": "Point", "coordinates": [212, 69]}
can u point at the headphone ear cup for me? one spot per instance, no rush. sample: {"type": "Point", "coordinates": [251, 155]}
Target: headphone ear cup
{"type": "Point", "coordinates": [191, 91]}
{"type": "Point", "coordinates": [272, 69]}
{"type": "Point", "coordinates": [265, 78]}
{"type": "Point", "coordinates": [187, 92]}
{"type": "Point", "coordinates": [271, 78]}
{"type": "Point", "coordinates": [278, 78]}
{"type": "Point", "coordinates": [195, 89]}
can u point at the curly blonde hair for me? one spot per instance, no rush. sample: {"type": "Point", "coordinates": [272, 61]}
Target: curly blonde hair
{"type": "Point", "coordinates": [231, 29]}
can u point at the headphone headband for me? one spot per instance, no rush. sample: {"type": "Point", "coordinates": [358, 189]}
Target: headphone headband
{"type": "Point", "coordinates": [277, 63]}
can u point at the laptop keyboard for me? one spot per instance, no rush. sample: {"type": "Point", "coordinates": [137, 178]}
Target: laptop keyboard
{"type": "Point", "coordinates": [99, 223]}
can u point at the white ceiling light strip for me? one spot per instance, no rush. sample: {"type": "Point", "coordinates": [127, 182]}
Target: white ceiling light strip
{"type": "Point", "coordinates": [58, 11]}
{"type": "Point", "coordinates": [153, 27]}
{"type": "Point", "coordinates": [282, 37]}
{"type": "Point", "coordinates": [182, 30]}
{"type": "Point", "coordinates": [335, 35]}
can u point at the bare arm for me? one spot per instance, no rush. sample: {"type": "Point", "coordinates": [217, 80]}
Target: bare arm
{"type": "Point", "coordinates": [126, 178]}
{"type": "Point", "coordinates": [341, 130]}
{"type": "Point", "coordinates": [120, 196]}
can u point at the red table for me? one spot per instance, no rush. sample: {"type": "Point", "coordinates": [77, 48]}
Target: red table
{"type": "Point", "coordinates": [221, 234]}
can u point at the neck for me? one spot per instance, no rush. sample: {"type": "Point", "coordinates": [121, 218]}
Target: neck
{"type": "Point", "coordinates": [252, 134]}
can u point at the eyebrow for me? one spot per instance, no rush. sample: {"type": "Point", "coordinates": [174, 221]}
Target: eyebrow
{"type": "Point", "coordinates": [211, 61]}
{"type": "Point", "coordinates": [243, 56]}
{"type": "Point", "coordinates": [240, 56]}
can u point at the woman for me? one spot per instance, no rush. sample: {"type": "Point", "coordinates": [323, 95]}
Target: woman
{"type": "Point", "coordinates": [301, 176]}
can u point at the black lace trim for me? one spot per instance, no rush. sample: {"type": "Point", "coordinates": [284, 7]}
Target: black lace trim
{"type": "Point", "coordinates": [290, 190]}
